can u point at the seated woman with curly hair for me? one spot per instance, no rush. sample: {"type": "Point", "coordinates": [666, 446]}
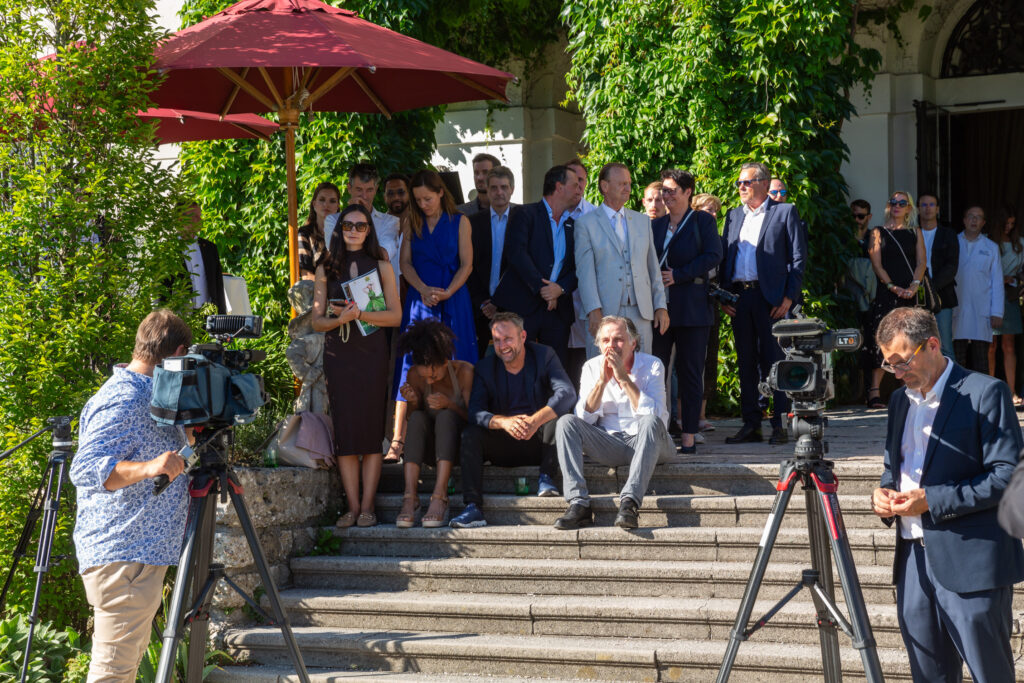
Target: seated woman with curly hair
{"type": "Point", "coordinates": [437, 392]}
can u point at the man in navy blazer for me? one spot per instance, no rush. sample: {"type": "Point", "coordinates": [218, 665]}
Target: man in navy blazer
{"type": "Point", "coordinates": [489, 228]}
{"type": "Point", "coordinates": [541, 271]}
{"type": "Point", "coordinates": [952, 443]}
{"type": "Point", "coordinates": [765, 245]}
{"type": "Point", "coordinates": [518, 394]}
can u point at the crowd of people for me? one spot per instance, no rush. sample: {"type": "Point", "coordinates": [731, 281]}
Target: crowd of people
{"type": "Point", "coordinates": [972, 275]}
{"type": "Point", "coordinates": [536, 334]}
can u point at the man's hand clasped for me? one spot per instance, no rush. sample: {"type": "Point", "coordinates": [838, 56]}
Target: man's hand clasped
{"type": "Point", "coordinates": [889, 503]}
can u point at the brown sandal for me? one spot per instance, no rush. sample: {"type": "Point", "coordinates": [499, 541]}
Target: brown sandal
{"type": "Point", "coordinates": [366, 519]}
{"type": "Point", "coordinates": [346, 520]}
{"type": "Point", "coordinates": [436, 521]}
{"type": "Point", "coordinates": [406, 520]}
{"type": "Point", "coordinates": [395, 454]}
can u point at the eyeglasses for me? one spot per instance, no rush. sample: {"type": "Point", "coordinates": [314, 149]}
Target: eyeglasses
{"type": "Point", "coordinates": [669, 190]}
{"type": "Point", "coordinates": [905, 365]}
{"type": "Point", "coordinates": [926, 205]}
{"type": "Point", "coordinates": [778, 193]}
{"type": "Point", "coordinates": [898, 202]}
{"type": "Point", "coordinates": [748, 183]}
{"type": "Point", "coordinates": [860, 216]}
{"type": "Point", "coordinates": [974, 217]}
{"type": "Point", "coordinates": [349, 226]}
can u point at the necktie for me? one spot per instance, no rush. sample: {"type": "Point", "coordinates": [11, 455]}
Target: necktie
{"type": "Point", "coordinates": [620, 229]}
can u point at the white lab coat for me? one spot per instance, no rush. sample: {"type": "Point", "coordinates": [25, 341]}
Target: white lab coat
{"type": "Point", "coordinates": [979, 289]}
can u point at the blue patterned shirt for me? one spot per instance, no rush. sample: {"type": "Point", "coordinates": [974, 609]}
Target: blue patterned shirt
{"type": "Point", "coordinates": [130, 524]}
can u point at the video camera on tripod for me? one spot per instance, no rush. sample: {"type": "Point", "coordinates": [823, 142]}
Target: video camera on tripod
{"type": "Point", "coordinates": [806, 372]}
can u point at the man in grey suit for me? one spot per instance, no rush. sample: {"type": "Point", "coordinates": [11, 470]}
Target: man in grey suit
{"type": "Point", "coordinates": [616, 262]}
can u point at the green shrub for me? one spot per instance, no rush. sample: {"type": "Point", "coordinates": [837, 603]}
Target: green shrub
{"type": "Point", "coordinates": [53, 650]}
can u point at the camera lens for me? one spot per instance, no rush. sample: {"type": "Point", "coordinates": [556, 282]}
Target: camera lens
{"type": "Point", "coordinates": [796, 375]}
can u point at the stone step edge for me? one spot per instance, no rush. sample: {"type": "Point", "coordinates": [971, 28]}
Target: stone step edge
{"type": "Point", "coordinates": [285, 674]}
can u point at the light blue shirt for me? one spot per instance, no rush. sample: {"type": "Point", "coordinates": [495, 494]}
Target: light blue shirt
{"type": "Point", "coordinates": [498, 225]}
{"type": "Point", "coordinates": [557, 239]}
{"type": "Point", "coordinates": [130, 524]}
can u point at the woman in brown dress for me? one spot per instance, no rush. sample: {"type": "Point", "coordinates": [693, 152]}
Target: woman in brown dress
{"type": "Point", "coordinates": [356, 366]}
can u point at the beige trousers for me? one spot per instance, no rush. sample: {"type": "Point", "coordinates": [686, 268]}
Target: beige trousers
{"type": "Point", "coordinates": [124, 597]}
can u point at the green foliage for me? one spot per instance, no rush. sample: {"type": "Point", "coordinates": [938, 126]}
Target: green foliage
{"type": "Point", "coordinates": [53, 650]}
{"type": "Point", "coordinates": [327, 543]}
{"type": "Point", "coordinates": [720, 83]}
{"type": "Point", "coordinates": [88, 234]}
{"type": "Point", "coordinates": [241, 183]}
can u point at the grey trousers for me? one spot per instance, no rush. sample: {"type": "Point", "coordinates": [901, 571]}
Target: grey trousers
{"type": "Point", "coordinates": [642, 452]}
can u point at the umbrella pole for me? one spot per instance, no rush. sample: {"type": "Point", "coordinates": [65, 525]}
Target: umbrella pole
{"type": "Point", "coordinates": [289, 120]}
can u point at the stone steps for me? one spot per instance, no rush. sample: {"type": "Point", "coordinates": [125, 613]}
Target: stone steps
{"type": "Point", "coordinates": [674, 510]}
{"type": "Point", "coordinates": [704, 474]}
{"type": "Point", "coordinates": [706, 544]}
{"type": "Point", "coordinates": [286, 674]}
{"type": "Point", "coordinates": [547, 657]}
{"type": "Point", "coordinates": [549, 615]}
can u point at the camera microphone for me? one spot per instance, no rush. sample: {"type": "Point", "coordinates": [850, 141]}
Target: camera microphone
{"type": "Point", "coordinates": [162, 481]}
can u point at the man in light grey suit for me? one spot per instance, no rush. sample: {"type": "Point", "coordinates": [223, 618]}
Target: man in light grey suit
{"type": "Point", "coordinates": [616, 263]}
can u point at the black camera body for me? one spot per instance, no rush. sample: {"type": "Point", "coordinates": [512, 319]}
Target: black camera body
{"type": "Point", "coordinates": [722, 296]}
{"type": "Point", "coordinates": [210, 385]}
{"type": "Point", "coordinates": [806, 372]}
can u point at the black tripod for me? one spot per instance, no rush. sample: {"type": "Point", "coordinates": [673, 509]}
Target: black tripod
{"type": "Point", "coordinates": [823, 516]}
{"type": "Point", "coordinates": [46, 503]}
{"type": "Point", "coordinates": [197, 576]}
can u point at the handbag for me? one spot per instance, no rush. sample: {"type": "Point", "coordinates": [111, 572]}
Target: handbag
{"type": "Point", "coordinates": [927, 297]}
{"type": "Point", "coordinates": [303, 440]}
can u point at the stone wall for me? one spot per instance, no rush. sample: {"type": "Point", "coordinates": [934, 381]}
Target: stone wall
{"type": "Point", "coordinates": [287, 506]}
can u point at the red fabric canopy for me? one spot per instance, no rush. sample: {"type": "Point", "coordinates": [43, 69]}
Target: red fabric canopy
{"type": "Point", "coordinates": [307, 42]}
{"type": "Point", "coordinates": [178, 125]}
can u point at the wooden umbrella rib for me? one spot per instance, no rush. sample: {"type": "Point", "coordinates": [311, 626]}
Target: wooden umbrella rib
{"type": "Point", "coordinates": [491, 94]}
{"type": "Point", "coordinates": [247, 87]}
{"type": "Point", "coordinates": [234, 93]}
{"type": "Point", "coordinates": [372, 95]}
{"type": "Point", "coordinates": [309, 76]}
{"type": "Point", "coordinates": [331, 81]}
{"type": "Point", "coordinates": [255, 132]}
{"type": "Point", "coordinates": [271, 88]}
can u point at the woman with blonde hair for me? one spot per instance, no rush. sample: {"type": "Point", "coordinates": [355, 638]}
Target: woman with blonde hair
{"type": "Point", "coordinates": [898, 257]}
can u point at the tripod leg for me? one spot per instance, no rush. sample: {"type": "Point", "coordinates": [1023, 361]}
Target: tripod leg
{"type": "Point", "coordinates": [822, 564]}
{"type": "Point", "coordinates": [199, 628]}
{"type": "Point", "coordinates": [787, 478]}
{"type": "Point", "coordinates": [259, 559]}
{"type": "Point", "coordinates": [199, 509]}
{"type": "Point", "coordinates": [863, 638]}
{"type": "Point", "coordinates": [51, 506]}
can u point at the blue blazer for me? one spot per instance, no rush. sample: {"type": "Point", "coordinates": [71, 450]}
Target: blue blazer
{"type": "Point", "coordinates": [781, 251]}
{"type": "Point", "coordinates": [545, 375]}
{"type": "Point", "coordinates": [530, 255]}
{"type": "Point", "coordinates": [688, 302]}
{"type": "Point", "coordinates": [974, 447]}
{"type": "Point", "coordinates": [480, 279]}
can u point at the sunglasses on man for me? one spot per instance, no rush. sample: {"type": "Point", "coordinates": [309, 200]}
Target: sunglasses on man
{"type": "Point", "coordinates": [778, 193]}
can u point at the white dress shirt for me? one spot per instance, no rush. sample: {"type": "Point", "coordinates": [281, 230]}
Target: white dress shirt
{"type": "Point", "coordinates": [750, 233]}
{"type": "Point", "coordinates": [917, 431]}
{"type": "Point", "coordinates": [616, 413]}
{"type": "Point", "coordinates": [197, 272]}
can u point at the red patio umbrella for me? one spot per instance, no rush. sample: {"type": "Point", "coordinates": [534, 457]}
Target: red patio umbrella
{"type": "Point", "coordinates": [303, 55]}
{"type": "Point", "coordinates": [179, 125]}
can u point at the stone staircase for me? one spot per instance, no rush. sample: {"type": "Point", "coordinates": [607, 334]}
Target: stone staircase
{"type": "Point", "coordinates": [519, 600]}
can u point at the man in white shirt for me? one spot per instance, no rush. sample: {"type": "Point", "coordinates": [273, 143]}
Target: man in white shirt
{"type": "Point", "coordinates": [621, 418]}
{"type": "Point", "coordinates": [979, 293]}
{"type": "Point", "coordinates": [951, 446]}
{"type": "Point", "coordinates": [363, 181]}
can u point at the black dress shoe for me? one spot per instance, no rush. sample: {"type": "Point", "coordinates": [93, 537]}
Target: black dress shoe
{"type": "Point", "coordinates": [576, 517]}
{"type": "Point", "coordinates": [778, 437]}
{"type": "Point", "coordinates": [688, 450]}
{"type": "Point", "coordinates": [747, 434]}
{"type": "Point", "coordinates": [673, 428]}
{"type": "Point", "coordinates": [627, 517]}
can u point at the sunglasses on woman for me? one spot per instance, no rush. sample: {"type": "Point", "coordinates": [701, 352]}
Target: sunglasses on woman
{"type": "Point", "coordinates": [898, 202]}
{"type": "Point", "coordinates": [349, 226]}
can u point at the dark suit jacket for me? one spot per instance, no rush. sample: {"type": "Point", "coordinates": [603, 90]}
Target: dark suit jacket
{"type": "Point", "coordinates": [480, 279]}
{"type": "Point", "coordinates": [214, 276]}
{"type": "Point", "coordinates": [544, 372]}
{"type": "Point", "coordinates": [688, 302]}
{"type": "Point", "coordinates": [945, 261]}
{"type": "Point", "coordinates": [530, 255]}
{"type": "Point", "coordinates": [970, 458]}
{"type": "Point", "coordinates": [781, 251]}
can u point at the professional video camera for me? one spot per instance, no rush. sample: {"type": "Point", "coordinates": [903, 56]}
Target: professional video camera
{"type": "Point", "coordinates": [210, 385]}
{"type": "Point", "coordinates": [806, 373]}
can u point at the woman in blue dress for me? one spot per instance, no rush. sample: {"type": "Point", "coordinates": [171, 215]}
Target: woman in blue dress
{"type": "Point", "coordinates": [436, 259]}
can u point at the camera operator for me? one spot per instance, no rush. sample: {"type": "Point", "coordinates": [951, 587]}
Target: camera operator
{"type": "Point", "coordinates": [125, 537]}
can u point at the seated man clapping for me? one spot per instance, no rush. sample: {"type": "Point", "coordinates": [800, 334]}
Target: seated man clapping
{"type": "Point", "coordinates": [518, 394]}
{"type": "Point", "coordinates": [620, 419]}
